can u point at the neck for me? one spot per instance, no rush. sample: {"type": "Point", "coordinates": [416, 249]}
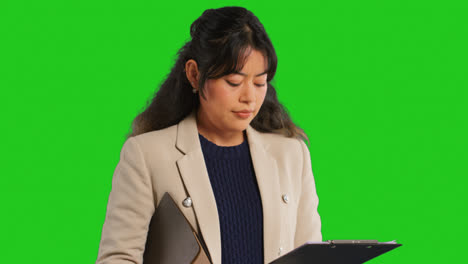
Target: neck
{"type": "Point", "coordinates": [218, 137]}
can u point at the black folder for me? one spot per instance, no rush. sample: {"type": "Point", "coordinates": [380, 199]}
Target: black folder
{"type": "Point", "coordinates": [336, 252]}
{"type": "Point", "coordinates": [171, 239]}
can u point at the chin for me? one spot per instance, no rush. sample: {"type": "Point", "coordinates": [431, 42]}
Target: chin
{"type": "Point", "coordinates": [240, 124]}
{"type": "Point", "coordinates": [240, 127]}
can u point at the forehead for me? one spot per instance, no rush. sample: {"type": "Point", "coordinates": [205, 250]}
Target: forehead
{"type": "Point", "coordinates": [254, 64]}
{"type": "Point", "coordinates": [246, 74]}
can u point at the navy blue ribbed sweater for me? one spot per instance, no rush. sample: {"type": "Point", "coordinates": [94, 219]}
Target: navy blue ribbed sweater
{"type": "Point", "coordinates": [238, 201]}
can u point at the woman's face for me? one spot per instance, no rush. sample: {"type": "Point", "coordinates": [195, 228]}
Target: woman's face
{"type": "Point", "coordinates": [226, 96]}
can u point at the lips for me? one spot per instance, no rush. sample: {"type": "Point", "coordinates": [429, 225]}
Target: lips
{"type": "Point", "coordinates": [244, 111]}
{"type": "Point", "coordinates": [243, 115]}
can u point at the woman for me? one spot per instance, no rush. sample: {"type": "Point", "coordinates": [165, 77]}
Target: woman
{"type": "Point", "coordinates": [218, 141]}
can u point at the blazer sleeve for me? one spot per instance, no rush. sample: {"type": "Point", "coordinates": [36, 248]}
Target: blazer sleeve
{"type": "Point", "coordinates": [308, 226]}
{"type": "Point", "coordinates": [129, 209]}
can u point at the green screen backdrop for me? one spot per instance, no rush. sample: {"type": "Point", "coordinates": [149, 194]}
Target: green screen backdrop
{"type": "Point", "coordinates": [378, 86]}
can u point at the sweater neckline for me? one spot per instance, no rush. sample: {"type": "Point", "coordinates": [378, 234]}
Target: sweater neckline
{"type": "Point", "coordinates": [212, 150]}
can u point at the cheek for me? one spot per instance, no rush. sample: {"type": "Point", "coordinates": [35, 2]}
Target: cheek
{"type": "Point", "coordinates": [261, 95]}
{"type": "Point", "coordinates": [223, 95]}
{"type": "Point", "coordinates": [218, 97]}
{"type": "Point", "coordinates": [222, 100]}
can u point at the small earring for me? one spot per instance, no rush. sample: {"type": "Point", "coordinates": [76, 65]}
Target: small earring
{"type": "Point", "coordinates": [194, 90]}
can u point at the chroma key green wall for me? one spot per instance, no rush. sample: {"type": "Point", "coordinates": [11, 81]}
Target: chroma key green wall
{"type": "Point", "coordinates": [378, 86]}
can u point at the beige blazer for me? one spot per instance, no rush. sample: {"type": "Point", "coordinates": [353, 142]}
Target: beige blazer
{"type": "Point", "coordinates": [171, 160]}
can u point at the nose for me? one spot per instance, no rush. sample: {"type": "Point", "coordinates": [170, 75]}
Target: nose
{"type": "Point", "coordinates": [248, 93]}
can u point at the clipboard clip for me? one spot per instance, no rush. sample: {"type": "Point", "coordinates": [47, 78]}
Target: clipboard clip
{"type": "Point", "coordinates": [367, 242]}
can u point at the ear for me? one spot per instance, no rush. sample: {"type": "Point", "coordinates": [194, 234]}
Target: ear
{"type": "Point", "coordinates": [191, 70]}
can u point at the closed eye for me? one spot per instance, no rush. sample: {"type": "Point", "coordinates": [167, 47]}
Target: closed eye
{"type": "Point", "coordinates": [237, 84]}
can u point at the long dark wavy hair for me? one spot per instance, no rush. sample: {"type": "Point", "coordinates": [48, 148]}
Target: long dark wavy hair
{"type": "Point", "coordinates": [220, 39]}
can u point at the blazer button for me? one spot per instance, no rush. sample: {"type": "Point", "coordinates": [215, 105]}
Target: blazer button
{"type": "Point", "coordinates": [280, 250]}
{"type": "Point", "coordinates": [187, 202]}
{"type": "Point", "coordinates": [285, 198]}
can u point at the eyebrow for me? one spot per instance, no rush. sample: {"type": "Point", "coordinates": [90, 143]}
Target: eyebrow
{"type": "Point", "coordinates": [244, 74]}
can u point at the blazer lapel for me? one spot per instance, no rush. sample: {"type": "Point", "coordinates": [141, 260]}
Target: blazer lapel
{"type": "Point", "coordinates": [194, 174]}
{"type": "Point", "coordinates": [266, 171]}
